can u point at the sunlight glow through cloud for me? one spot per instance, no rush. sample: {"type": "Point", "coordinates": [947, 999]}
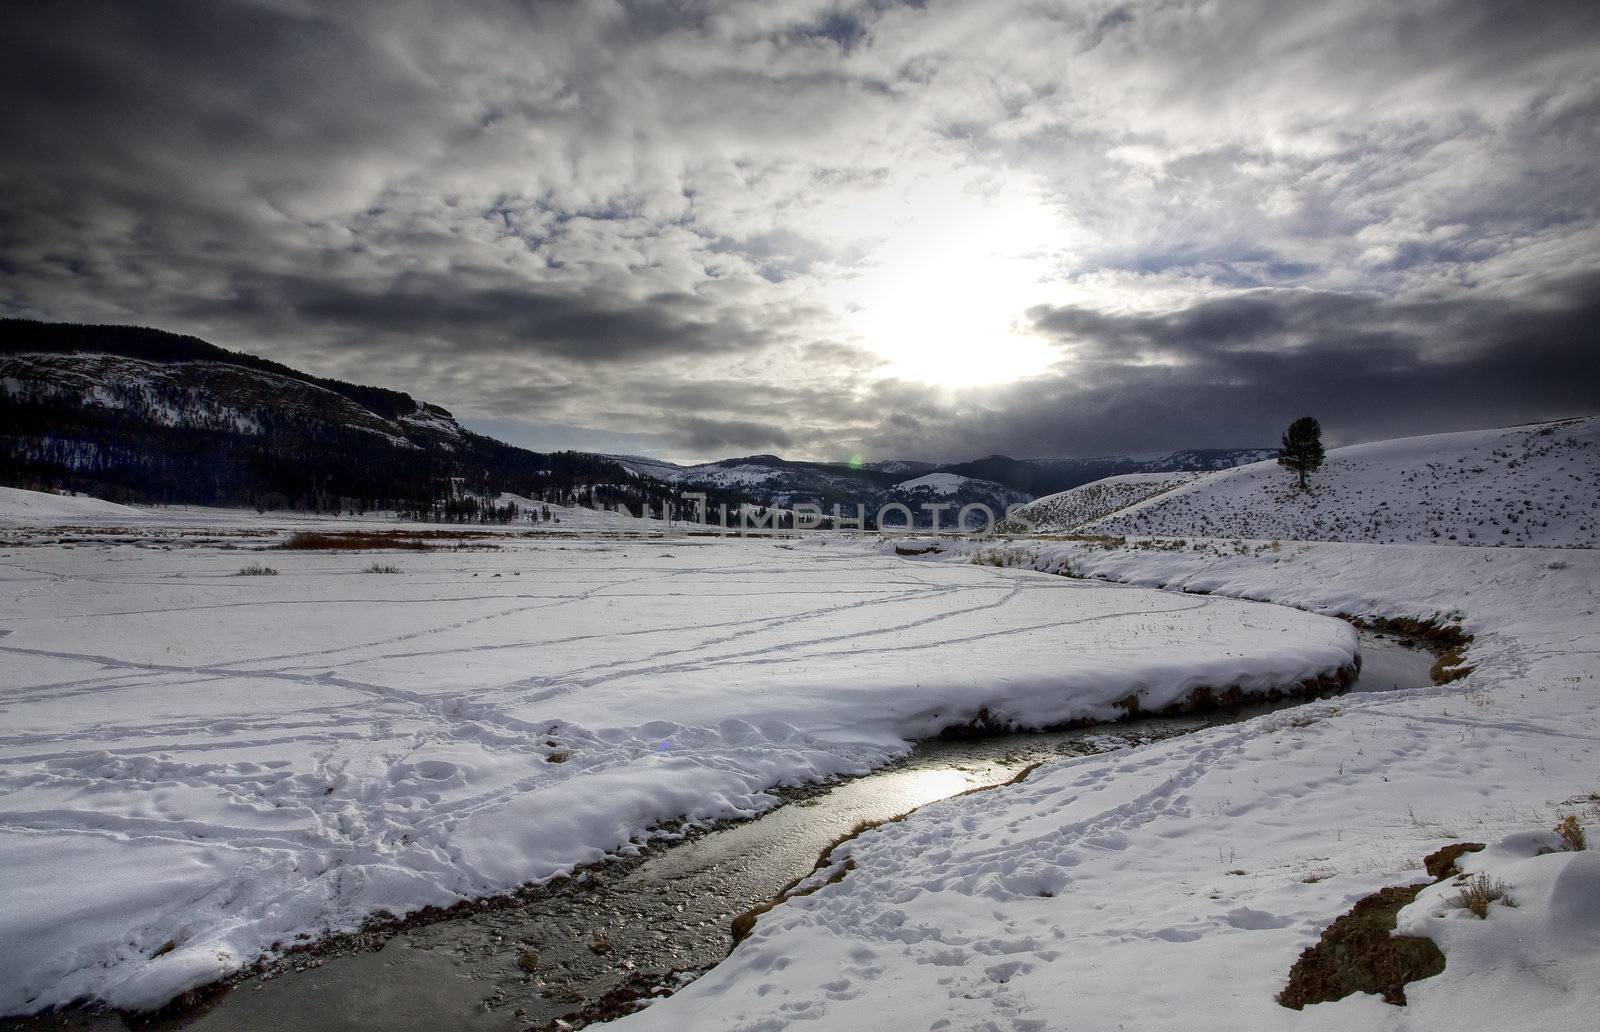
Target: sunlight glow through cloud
{"type": "Point", "coordinates": [959, 260]}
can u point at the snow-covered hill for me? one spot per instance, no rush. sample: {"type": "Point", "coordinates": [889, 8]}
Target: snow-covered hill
{"type": "Point", "coordinates": [205, 396]}
{"type": "Point", "coordinates": [644, 466]}
{"type": "Point", "coordinates": [957, 491]}
{"type": "Point", "coordinates": [1041, 477]}
{"type": "Point", "coordinates": [902, 467]}
{"type": "Point", "coordinates": [1527, 485]}
{"type": "Point", "coordinates": [935, 483]}
{"type": "Point", "coordinates": [143, 414]}
{"type": "Point", "coordinates": [26, 508]}
{"type": "Point", "coordinates": [1070, 509]}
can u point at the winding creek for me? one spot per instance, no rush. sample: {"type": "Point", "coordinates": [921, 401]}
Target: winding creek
{"type": "Point", "coordinates": [585, 948]}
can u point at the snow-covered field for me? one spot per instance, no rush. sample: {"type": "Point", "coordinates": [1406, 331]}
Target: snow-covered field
{"type": "Point", "coordinates": [1530, 485]}
{"type": "Point", "coordinates": [1172, 886]}
{"type": "Point", "coordinates": [196, 765]}
{"type": "Point", "coordinates": [26, 513]}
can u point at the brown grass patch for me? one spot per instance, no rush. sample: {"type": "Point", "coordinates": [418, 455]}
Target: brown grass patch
{"type": "Point", "coordinates": [1450, 666]}
{"type": "Point", "coordinates": [1441, 863]}
{"type": "Point", "coordinates": [375, 540]}
{"type": "Point", "coordinates": [1359, 953]}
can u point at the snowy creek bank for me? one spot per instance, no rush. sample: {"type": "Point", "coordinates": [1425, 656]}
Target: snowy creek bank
{"type": "Point", "coordinates": [1172, 887]}
{"type": "Point", "coordinates": [624, 931]}
{"type": "Point", "coordinates": [205, 765]}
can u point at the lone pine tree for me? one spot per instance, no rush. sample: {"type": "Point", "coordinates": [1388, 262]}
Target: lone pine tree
{"type": "Point", "coordinates": [1302, 448]}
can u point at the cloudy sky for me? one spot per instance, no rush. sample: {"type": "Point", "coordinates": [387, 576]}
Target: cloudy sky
{"type": "Point", "coordinates": [695, 228]}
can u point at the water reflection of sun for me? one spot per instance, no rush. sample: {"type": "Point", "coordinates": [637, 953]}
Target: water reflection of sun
{"type": "Point", "coordinates": [926, 786]}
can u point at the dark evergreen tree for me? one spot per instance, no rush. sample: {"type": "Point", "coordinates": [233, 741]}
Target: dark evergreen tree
{"type": "Point", "coordinates": [1302, 449]}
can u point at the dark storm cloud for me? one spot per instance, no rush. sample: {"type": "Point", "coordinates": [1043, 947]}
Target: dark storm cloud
{"type": "Point", "coordinates": [715, 436]}
{"type": "Point", "coordinates": [1283, 335]}
{"type": "Point", "coordinates": [481, 320]}
{"type": "Point", "coordinates": [1234, 371]}
{"type": "Point", "coordinates": [632, 216]}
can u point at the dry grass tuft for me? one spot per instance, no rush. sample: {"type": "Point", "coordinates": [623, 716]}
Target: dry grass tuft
{"type": "Point", "coordinates": [382, 568]}
{"type": "Point", "coordinates": [1450, 666]}
{"type": "Point", "coordinates": [1482, 890]}
{"type": "Point", "coordinates": [1572, 837]}
{"type": "Point", "coordinates": [256, 570]}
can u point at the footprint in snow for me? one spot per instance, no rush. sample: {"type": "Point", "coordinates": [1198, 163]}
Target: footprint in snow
{"type": "Point", "coordinates": [1255, 920]}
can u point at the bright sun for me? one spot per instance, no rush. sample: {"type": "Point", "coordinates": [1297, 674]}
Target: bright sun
{"type": "Point", "coordinates": [956, 265]}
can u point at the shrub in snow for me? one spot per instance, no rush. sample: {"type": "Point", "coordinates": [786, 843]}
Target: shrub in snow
{"type": "Point", "coordinates": [1572, 836]}
{"type": "Point", "coordinates": [1482, 890]}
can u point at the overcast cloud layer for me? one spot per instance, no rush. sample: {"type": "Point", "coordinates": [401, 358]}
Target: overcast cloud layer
{"type": "Point", "coordinates": [705, 228]}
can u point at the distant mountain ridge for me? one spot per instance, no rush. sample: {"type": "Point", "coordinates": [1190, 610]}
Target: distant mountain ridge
{"type": "Point", "coordinates": [136, 414]}
{"type": "Point", "coordinates": [785, 483]}
{"type": "Point", "coordinates": [996, 480]}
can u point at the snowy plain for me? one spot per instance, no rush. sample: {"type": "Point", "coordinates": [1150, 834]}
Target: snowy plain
{"type": "Point", "coordinates": [198, 767]}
